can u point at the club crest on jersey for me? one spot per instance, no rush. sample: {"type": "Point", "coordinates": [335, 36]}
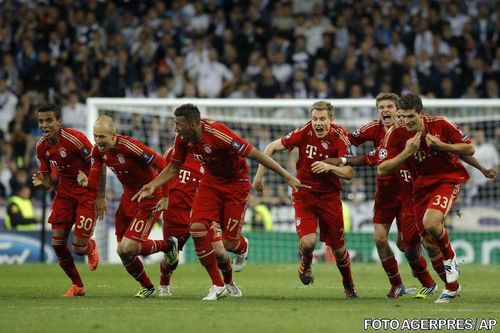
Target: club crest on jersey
{"type": "Point", "coordinates": [63, 153]}
{"type": "Point", "coordinates": [207, 148]}
{"type": "Point", "coordinates": [121, 158]}
{"type": "Point", "coordinates": [324, 144]}
{"type": "Point", "coordinates": [356, 133]}
{"type": "Point", "coordinates": [298, 221]}
{"type": "Point", "coordinates": [382, 154]}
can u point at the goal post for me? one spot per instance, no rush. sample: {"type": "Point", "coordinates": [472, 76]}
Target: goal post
{"type": "Point", "coordinates": [270, 219]}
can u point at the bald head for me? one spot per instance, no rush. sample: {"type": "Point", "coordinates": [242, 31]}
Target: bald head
{"type": "Point", "coordinates": [104, 133]}
{"type": "Point", "coordinates": [105, 124]}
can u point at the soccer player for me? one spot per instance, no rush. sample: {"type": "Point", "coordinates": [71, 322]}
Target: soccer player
{"type": "Point", "coordinates": [319, 203]}
{"type": "Point", "coordinates": [388, 198]}
{"type": "Point", "coordinates": [430, 146]}
{"type": "Point", "coordinates": [223, 191]}
{"type": "Point", "coordinates": [68, 150]}
{"type": "Point", "coordinates": [134, 164]}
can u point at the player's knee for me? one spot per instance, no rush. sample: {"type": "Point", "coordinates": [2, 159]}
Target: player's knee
{"type": "Point", "coordinates": [79, 245]}
{"type": "Point", "coordinates": [381, 240]}
{"type": "Point", "coordinates": [340, 252]}
{"type": "Point", "coordinates": [229, 245]}
{"type": "Point", "coordinates": [128, 249]}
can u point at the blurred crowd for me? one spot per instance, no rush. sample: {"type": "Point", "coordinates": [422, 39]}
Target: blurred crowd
{"type": "Point", "coordinates": [64, 51]}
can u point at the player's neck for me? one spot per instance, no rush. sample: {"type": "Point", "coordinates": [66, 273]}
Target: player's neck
{"type": "Point", "coordinates": [53, 140]}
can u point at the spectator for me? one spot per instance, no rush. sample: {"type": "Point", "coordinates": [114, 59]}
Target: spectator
{"type": "Point", "coordinates": [20, 211]}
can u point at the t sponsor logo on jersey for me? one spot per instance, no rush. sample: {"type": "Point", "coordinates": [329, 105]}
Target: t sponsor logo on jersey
{"type": "Point", "coordinates": [406, 175]}
{"type": "Point", "coordinates": [207, 148]}
{"type": "Point", "coordinates": [63, 153]}
{"type": "Point", "coordinates": [311, 151]}
{"type": "Point", "coordinates": [420, 155]}
{"type": "Point", "coordinates": [382, 154]}
{"type": "Point", "coordinates": [121, 158]}
{"type": "Point", "coordinates": [184, 176]}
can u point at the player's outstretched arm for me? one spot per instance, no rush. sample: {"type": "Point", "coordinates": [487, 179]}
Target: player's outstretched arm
{"type": "Point", "coordinates": [471, 160]}
{"type": "Point", "coordinates": [455, 148]}
{"type": "Point", "coordinates": [258, 183]}
{"type": "Point", "coordinates": [164, 177]}
{"type": "Point", "coordinates": [387, 167]}
{"type": "Point", "coordinates": [266, 161]}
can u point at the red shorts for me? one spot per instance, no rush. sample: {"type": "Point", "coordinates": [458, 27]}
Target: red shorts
{"type": "Point", "coordinates": [387, 205]}
{"type": "Point", "coordinates": [135, 220]}
{"type": "Point", "coordinates": [440, 196]}
{"type": "Point", "coordinates": [325, 209]}
{"type": "Point", "coordinates": [176, 223]}
{"type": "Point", "coordinates": [222, 203]}
{"type": "Point", "coordinates": [74, 206]}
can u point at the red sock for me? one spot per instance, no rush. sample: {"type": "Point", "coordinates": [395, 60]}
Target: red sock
{"type": "Point", "coordinates": [241, 246]}
{"type": "Point", "coordinates": [306, 258]}
{"type": "Point", "coordinates": [438, 265]}
{"type": "Point", "coordinates": [443, 242]}
{"type": "Point", "coordinates": [226, 269]}
{"type": "Point", "coordinates": [205, 252]}
{"type": "Point", "coordinates": [390, 266]}
{"type": "Point", "coordinates": [344, 266]}
{"type": "Point", "coordinates": [419, 270]}
{"type": "Point", "coordinates": [66, 259]}
{"type": "Point", "coordinates": [165, 275]}
{"type": "Point", "coordinates": [149, 246]}
{"type": "Point", "coordinates": [136, 269]}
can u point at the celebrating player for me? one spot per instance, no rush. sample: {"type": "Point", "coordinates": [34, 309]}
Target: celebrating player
{"type": "Point", "coordinates": [222, 193]}
{"type": "Point", "coordinates": [134, 164]}
{"type": "Point", "coordinates": [430, 146]}
{"type": "Point", "coordinates": [319, 203]}
{"type": "Point", "coordinates": [68, 150]}
{"type": "Point", "coordinates": [388, 200]}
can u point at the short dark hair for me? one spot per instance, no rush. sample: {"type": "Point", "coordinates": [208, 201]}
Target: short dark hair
{"type": "Point", "coordinates": [188, 111]}
{"type": "Point", "coordinates": [49, 107]}
{"type": "Point", "coordinates": [411, 102]}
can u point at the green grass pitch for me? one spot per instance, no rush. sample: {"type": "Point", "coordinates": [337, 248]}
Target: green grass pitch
{"type": "Point", "coordinates": [273, 300]}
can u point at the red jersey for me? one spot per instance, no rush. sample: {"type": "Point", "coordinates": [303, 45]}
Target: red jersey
{"type": "Point", "coordinates": [221, 152]}
{"type": "Point", "coordinates": [181, 190]}
{"type": "Point", "coordinates": [70, 154]}
{"type": "Point", "coordinates": [130, 160]}
{"type": "Point", "coordinates": [312, 149]}
{"type": "Point", "coordinates": [430, 166]}
{"type": "Point", "coordinates": [375, 132]}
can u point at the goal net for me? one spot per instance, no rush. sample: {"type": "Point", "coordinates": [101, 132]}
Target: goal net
{"type": "Point", "coordinates": [475, 220]}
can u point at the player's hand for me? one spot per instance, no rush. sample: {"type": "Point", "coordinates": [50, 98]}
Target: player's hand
{"type": "Point", "coordinates": [82, 179]}
{"type": "Point", "coordinates": [37, 179]}
{"type": "Point", "coordinates": [161, 205]}
{"type": "Point", "coordinates": [258, 185]}
{"type": "Point", "coordinates": [145, 192]}
{"type": "Point", "coordinates": [490, 173]}
{"type": "Point", "coordinates": [433, 141]}
{"type": "Point", "coordinates": [295, 184]}
{"type": "Point", "coordinates": [413, 144]}
{"type": "Point", "coordinates": [321, 167]}
{"type": "Point", "coordinates": [100, 207]}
